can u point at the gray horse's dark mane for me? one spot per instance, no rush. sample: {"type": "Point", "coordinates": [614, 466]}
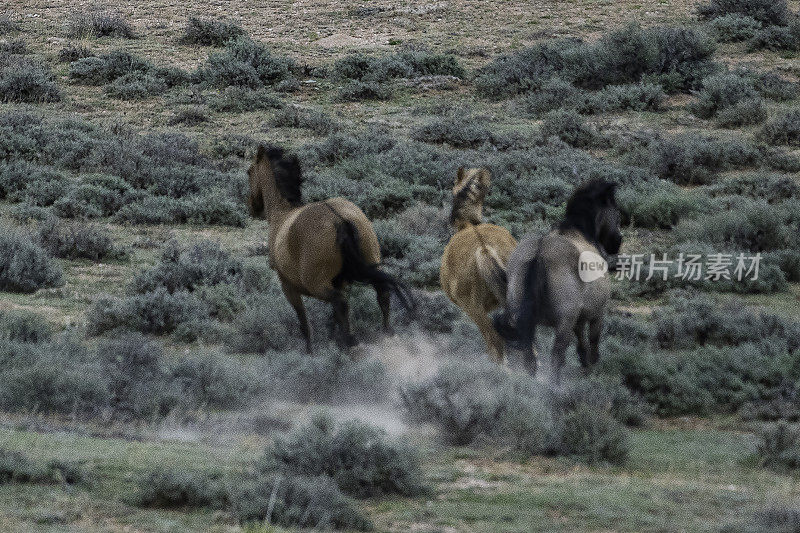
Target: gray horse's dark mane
{"type": "Point", "coordinates": [582, 206]}
{"type": "Point", "coordinates": [286, 171]}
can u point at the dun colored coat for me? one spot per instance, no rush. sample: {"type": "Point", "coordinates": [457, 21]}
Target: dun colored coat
{"type": "Point", "coordinates": [473, 265]}
{"type": "Point", "coordinates": [317, 249]}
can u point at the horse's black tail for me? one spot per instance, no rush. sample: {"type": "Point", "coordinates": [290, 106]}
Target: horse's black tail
{"type": "Point", "coordinates": [356, 269]}
{"type": "Point", "coordinates": [521, 330]}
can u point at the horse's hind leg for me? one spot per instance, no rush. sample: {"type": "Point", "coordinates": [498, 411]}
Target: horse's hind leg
{"type": "Point", "coordinates": [494, 343]}
{"type": "Point", "coordinates": [297, 302]}
{"type": "Point", "coordinates": [595, 329]}
{"type": "Point", "coordinates": [580, 334]}
{"type": "Point", "coordinates": [384, 302]}
{"type": "Point", "coordinates": [563, 338]}
{"type": "Point", "coordinates": [341, 313]}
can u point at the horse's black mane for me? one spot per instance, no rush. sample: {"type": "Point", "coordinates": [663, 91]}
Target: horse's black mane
{"type": "Point", "coordinates": [287, 173]}
{"type": "Point", "coordinates": [582, 206]}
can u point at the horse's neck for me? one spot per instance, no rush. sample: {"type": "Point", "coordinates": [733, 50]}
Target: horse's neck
{"type": "Point", "coordinates": [461, 224]}
{"type": "Point", "coordinates": [280, 215]}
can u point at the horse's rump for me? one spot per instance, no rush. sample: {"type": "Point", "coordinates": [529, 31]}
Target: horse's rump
{"type": "Point", "coordinates": [492, 271]}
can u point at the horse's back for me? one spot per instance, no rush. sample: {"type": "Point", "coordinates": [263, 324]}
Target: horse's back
{"type": "Point", "coordinates": [559, 253]}
{"type": "Point", "coordinates": [459, 273]}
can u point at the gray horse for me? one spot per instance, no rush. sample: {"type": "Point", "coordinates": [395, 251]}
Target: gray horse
{"type": "Point", "coordinates": [560, 280]}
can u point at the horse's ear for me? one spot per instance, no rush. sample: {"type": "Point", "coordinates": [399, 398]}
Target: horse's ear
{"type": "Point", "coordinates": [485, 177]}
{"type": "Point", "coordinates": [460, 175]}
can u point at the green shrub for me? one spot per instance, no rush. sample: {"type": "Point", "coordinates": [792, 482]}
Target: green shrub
{"type": "Point", "coordinates": [755, 226]}
{"type": "Point", "coordinates": [7, 25]}
{"type": "Point", "coordinates": [359, 458]}
{"type": "Point", "coordinates": [296, 502]}
{"type": "Point", "coordinates": [734, 27]}
{"type": "Point", "coordinates": [770, 187]}
{"type": "Point", "coordinates": [766, 11]}
{"type": "Point", "coordinates": [241, 99]}
{"type": "Point", "coordinates": [214, 380]}
{"type": "Point", "coordinates": [171, 488]}
{"type": "Point", "coordinates": [478, 402]}
{"type": "Point", "coordinates": [743, 113]}
{"type": "Point", "coordinates": [76, 241]}
{"type": "Point", "coordinates": [459, 132]}
{"type": "Point", "coordinates": [357, 90]}
{"type": "Point", "coordinates": [24, 265]}
{"type": "Point", "coordinates": [179, 269]}
{"type": "Point", "coordinates": [28, 82]}
{"type": "Point", "coordinates": [157, 312]}
{"type": "Point", "coordinates": [16, 467]}
{"type": "Point", "coordinates": [99, 24]}
{"type": "Point", "coordinates": [210, 32]}
{"type": "Point", "coordinates": [771, 85]}
{"type": "Point", "coordinates": [658, 206]}
{"type": "Point", "coordinates": [779, 447]}
{"type": "Point", "coordinates": [136, 86]}
{"type": "Point", "coordinates": [86, 201]}
{"type": "Point", "coordinates": [23, 326]}
{"type": "Point", "coordinates": [73, 52]}
{"type": "Point", "coordinates": [298, 117]}
{"type": "Point", "coordinates": [788, 261]}
{"type": "Point", "coordinates": [722, 91]}
{"type": "Point", "coordinates": [410, 64]}
{"type": "Point", "coordinates": [245, 63]}
{"type": "Point", "coordinates": [189, 116]}
{"type": "Point", "coordinates": [635, 97]}
{"type": "Point", "coordinates": [783, 129]}
{"type": "Point", "coordinates": [51, 378]}
{"type": "Point", "coordinates": [150, 210]}
{"type": "Point", "coordinates": [777, 38]}
{"type": "Point", "coordinates": [568, 126]}
{"type": "Point", "coordinates": [553, 94]}
{"type": "Point", "coordinates": [15, 47]}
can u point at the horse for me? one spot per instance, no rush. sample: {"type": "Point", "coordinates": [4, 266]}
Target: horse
{"type": "Point", "coordinates": [561, 279]}
{"type": "Point", "coordinates": [317, 249]}
{"type": "Point", "coordinates": [472, 273]}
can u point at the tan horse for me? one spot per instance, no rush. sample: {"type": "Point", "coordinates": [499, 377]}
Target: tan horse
{"type": "Point", "coordinates": [473, 271]}
{"type": "Point", "coordinates": [317, 249]}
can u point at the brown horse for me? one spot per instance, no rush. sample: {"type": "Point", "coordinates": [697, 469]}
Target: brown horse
{"type": "Point", "coordinates": [473, 271]}
{"type": "Point", "coordinates": [317, 249]}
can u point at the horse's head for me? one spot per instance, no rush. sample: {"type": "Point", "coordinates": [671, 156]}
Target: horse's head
{"type": "Point", "coordinates": [592, 209]}
{"type": "Point", "coordinates": [469, 190]}
{"type": "Point", "coordinates": [275, 178]}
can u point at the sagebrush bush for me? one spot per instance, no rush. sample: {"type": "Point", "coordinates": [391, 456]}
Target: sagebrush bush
{"type": "Point", "coordinates": [7, 25]}
{"type": "Point", "coordinates": [24, 81]}
{"type": "Point", "coordinates": [688, 323]}
{"type": "Point", "coordinates": [295, 501]}
{"type": "Point", "coordinates": [14, 47]}
{"type": "Point", "coordinates": [409, 64]}
{"type": "Point", "coordinates": [743, 113]}
{"type": "Point", "coordinates": [783, 129]}
{"type": "Point", "coordinates": [135, 86]}
{"type": "Point", "coordinates": [755, 226]}
{"type": "Point", "coordinates": [73, 52]}
{"type": "Point", "coordinates": [568, 126]}
{"type": "Point", "coordinates": [77, 241]}
{"type": "Point", "coordinates": [359, 458]}
{"type": "Point", "coordinates": [209, 32]}
{"type": "Point", "coordinates": [770, 187]}
{"type": "Point", "coordinates": [24, 265]}
{"type": "Point", "coordinates": [477, 402]}
{"type": "Point", "coordinates": [735, 27]}
{"type": "Point", "coordinates": [779, 447]}
{"type": "Point", "coordinates": [658, 206]}
{"type": "Point", "coordinates": [130, 75]}
{"type": "Point", "coordinates": [23, 326]}
{"type": "Point", "coordinates": [553, 94]}
{"type": "Point", "coordinates": [50, 377]}
{"type": "Point", "coordinates": [157, 312]}
{"type": "Point", "coordinates": [99, 24]}
{"type": "Point", "coordinates": [676, 58]}
{"type": "Point", "coordinates": [459, 132]}
{"type": "Point", "coordinates": [773, 86]}
{"type": "Point", "coordinates": [298, 117]}
{"type": "Point", "coordinates": [189, 268]}
{"type": "Point", "coordinates": [16, 467]}
{"type": "Point", "coordinates": [766, 11]}
{"type": "Point", "coordinates": [635, 97]}
{"type": "Point", "coordinates": [180, 488]}
{"type": "Point", "coordinates": [242, 99]}
{"type": "Point", "coordinates": [86, 200]}
{"type": "Point", "coordinates": [357, 90]}
{"type": "Point", "coordinates": [777, 38]}
{"type": "Point", "coordinates": [213, 380]}
{"type": "Point", "coordinates": [722, 91]}
{"type": "Point", "coordinates": [245, 63]}
{"type": "Point", "coordinates": [189, 116]}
